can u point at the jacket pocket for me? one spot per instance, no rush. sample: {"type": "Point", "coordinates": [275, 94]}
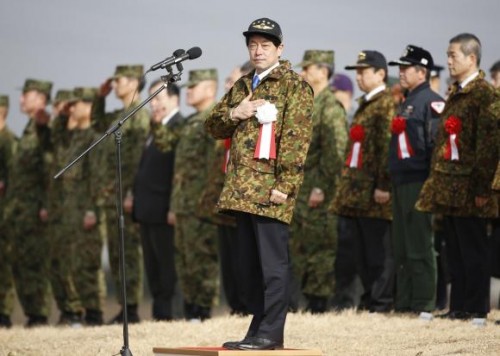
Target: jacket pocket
{"type": "Point", "coordinates": [451, 185]}
{"type": "Point", "coordinates": [255, 181]}
{"type": "Point", "coordinates": [356, 190]}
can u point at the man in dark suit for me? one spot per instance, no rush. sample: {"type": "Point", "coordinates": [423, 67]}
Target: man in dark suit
{"type": "Point", "coordinates": [152, 188]}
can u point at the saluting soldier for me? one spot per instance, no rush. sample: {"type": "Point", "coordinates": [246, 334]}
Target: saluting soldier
{"type": "Point", "coordinates": [26, 210]}
{"type": "Point", "coordinates": [459, 186]}
{"type": "Point", "coordinates": [8, 141]}
{"type": "Point", "coordinates": [413, 132]}
{"type": "Point", "coordinates": [363, 198]}
{"type": "Point", "coordinates": [267, 115]}
{"type": "Point", "coordinates": [60, 242]}
{"type": "Point", "coordinates": [314, 229]}
{"type": "Point", "coordinates": [127, 83]}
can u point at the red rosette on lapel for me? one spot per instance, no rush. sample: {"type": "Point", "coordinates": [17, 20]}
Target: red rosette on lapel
{"type": "Point", "coordinates": [398, 127]}
{"type": "Point", "coordinates": [453, 126]}
{"type": "Point", "coordinates": [357, 135]}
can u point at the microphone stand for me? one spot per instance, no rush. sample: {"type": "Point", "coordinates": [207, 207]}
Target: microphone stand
{"type": "Point", "coordinates": [171, 77]}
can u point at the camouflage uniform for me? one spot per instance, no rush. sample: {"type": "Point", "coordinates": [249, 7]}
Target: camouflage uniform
{"type": "Point", "coordinates": [226, 226]}
{"type": "Point", "coordinates": [78, 189]}
{"type": "Point", "coordinates": [134, 133]}
{"type": "Point", "coordinates": [456, 179]}
{"type": "Point", "coordinates": [265, 270]}
{"type": "Point", "coordinates": [28, 177]}
{"type": "Point", "coordinates": [314, 230]}
{"type": "Point", "coordinates": [195, 238]}
{"type": "Point", "coordinates": [60, 242]}
{"type": "Point", "coordinates": [368, 222]}
{"type": "Point", "coordinates": [7, 148]}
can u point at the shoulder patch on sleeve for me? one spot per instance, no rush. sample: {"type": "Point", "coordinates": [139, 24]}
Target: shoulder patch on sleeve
{"type": "Point", "coordinates": [437, 106]}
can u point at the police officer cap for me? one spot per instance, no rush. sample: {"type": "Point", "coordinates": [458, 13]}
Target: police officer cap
{"type": "Point", "coordinates": [199, 75]}
{"type": "Point", "coordinates": [264, 26]}
{"type": "Point", "coordinates": [4, 101]}
{"type": "Point", "coordinates": [367, 59]}
{"type": "Point", "coordinates": [317, 57]}
{"type": "Point", "coordinates": [414, 55]}
{"type": "Point", "coordinates": [436, 70]}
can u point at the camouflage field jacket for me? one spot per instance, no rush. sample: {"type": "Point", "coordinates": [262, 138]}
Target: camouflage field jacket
{"type": "Point", "coordinates": [354, 195]}
{"type": "Point", "coordinates": [249, 181]}
{"type": "Point", "coordinates": [463, 166]}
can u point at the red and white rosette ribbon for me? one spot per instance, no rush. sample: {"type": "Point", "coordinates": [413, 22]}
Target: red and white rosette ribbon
{"type": "Point", "coordinates": [453, 127]}
{"type": "Point", "coordinates": [398, 127]}
{"type": "Point", "coordinates": [227, 153]}
{"type": "Point", "coordinates": [357, 135]}
{"type": "Point", "coordinates": [266, 143]}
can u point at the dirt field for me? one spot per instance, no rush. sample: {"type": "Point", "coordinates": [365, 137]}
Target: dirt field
{"type": "Point", "coordinates": [348, 333]}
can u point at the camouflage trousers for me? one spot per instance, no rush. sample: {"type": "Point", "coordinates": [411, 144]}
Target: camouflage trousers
{"type": "Point", "coordinates": [30, 264]}
{"type": "Point", "coordinates": [196, 260]}
{"type": "Point", "coordinates": [61, 252]}
{"type": "Point", "coordinates": [84, 251]}
{"type": "Point", "coordinates": [313, 246]}
{"type": "Point", "coordinates": [133, 255]}
{"type": "Point", "coordinates": [6, 279]}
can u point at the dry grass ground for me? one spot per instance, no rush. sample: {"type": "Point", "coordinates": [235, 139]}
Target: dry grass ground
{"type": "Point", "coordinates": [347, 333]}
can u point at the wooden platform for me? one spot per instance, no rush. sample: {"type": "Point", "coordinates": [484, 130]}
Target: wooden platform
{"type": "Point", "coordinates": [219, 351]}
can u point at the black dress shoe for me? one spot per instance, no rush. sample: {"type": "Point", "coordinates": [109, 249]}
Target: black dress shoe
{"type": "Point", "coordinates": [233, 345]}
{"type": "Point", "coordinates": [497, 322]}
{"type": "Point", "coordinates": [259, 343]}
{"type": "Point", "coordinates": [453, 315]}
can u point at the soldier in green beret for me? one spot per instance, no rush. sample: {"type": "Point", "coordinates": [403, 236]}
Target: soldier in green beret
{"type": "Point", "coordinates": [267, 115]}
{"type": "Point", "coordinates": [25, 213]}
{"type": "Point", "coordinates": [363, 199]}
{"type": "Point", "coordinates": [127, 83]}
{"type": "Point", "coordinates": [314, 229]}
{"type": "Point", "coordinates": [462, 170]}
{"type": "Point", "coordinates": [8, 142]}
{"type": "Point", "coordinates": [195, 238]}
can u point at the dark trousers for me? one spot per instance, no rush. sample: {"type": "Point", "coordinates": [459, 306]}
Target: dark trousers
{"type": "Point", "coordinates": [468, 259]}
{"type": "Point", "coordinates": [265, 271]}
{"type": "Point", "coordinates": [229, 261]}
{"type": "Point", "coordinates": [347, 285]}
{"type": "Point", "coordinates": [374, 261]}
{"type": "Point", "coordinates": [158, 250]}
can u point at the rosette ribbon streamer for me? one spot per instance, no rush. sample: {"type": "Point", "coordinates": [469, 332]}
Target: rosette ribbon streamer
{"type": "Point", "coordinates": [398, 127]}
{"type": "Point", "coordinates": [453, 126]}
{"type": "Point", "coordinates": [357, 135]}
{"type": "Point", "coordinates": [266, 143]}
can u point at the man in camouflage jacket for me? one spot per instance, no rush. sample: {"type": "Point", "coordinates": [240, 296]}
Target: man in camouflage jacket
{"type": "Point", "coordinates": [363, 193]}
{"type": "Point", "coordinates": [267, 114]}
{"type": "Point", "coordinates": [462, 170]}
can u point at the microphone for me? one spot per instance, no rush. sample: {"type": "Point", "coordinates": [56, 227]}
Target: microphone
{"type": "Point", "coordinates": [162, 64]}
{"type": "Point", "coordinates": [178, 56]}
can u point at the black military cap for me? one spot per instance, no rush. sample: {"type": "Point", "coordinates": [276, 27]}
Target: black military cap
{"type": "Point", "coordinates": [369, 59]}
{"type": "Point", "coordinates": [414, 55]}
{"type": "Point", "coordinates": [264, 26]}
{"type": "Point", "coordinates": [436, 70]}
